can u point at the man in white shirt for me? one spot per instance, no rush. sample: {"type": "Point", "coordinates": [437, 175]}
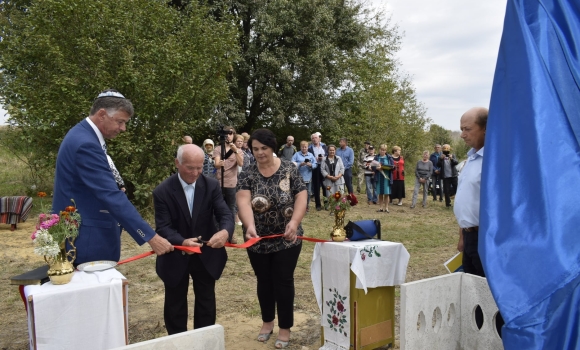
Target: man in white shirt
{"type": "Point", "coordinates": [473, 125]}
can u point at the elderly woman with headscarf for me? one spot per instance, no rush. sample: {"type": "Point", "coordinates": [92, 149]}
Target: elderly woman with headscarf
{"type": "Point", "coordinates": [272, 199]}
{"type": "Point", "coordinates": [332, 170]}
{"type": "Point", "coordinates": [208, 164]}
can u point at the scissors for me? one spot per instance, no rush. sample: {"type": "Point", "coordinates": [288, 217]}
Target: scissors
{"type": "Point", "coordinates": [201, 241]}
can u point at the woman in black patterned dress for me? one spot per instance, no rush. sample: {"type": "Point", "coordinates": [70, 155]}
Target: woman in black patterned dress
{"type": "Point", "coordinates": [272, 199]}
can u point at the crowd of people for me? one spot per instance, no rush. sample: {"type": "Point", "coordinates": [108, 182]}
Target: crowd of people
{"type": "Point", "coordinates": [246, 180]}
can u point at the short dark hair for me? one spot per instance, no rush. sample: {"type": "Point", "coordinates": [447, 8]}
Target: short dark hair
{"type": "Point", "coordinates": [264, 136]}
{"type": "Point", "coordinates": [112, 103]}
{"type": "Point", "coordinates": [481, 118]}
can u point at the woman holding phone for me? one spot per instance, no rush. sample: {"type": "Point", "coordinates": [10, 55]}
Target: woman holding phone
{"type": "Point", "coordinates": [305, 162]}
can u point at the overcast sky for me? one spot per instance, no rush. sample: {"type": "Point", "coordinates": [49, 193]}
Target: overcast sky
{"type": "Point", "coordinates": [449, 48]}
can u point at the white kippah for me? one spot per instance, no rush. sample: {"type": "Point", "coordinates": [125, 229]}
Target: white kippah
{"type": "Point", "coordinates": [110, 94]}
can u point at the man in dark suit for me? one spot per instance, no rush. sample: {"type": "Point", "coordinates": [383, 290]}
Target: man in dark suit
{"type": "Point", "coordinates": [83, 173]}
{"type": "Point", "coordinates": [319, 151]}
{"type": "Point", "coordinates": [185, 206]}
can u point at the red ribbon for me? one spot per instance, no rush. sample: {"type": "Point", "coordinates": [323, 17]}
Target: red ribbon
{"type": "Point", "coordinates": [244, 245]}
{"type": "Point", "coordinates": [178, 247]}
{"type": "Point", "coordinates": [255, 240]}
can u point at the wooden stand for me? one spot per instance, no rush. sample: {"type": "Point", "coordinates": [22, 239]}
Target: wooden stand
{"type": "Point", "coordinates": [372, 320]}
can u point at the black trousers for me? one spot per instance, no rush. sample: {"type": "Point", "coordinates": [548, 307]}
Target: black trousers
{"type": "Point", "coordinates": [449, 187]}
{"type": "Point", "coordinates": [316, 184]}
{"type": "Point", "coordinates": [230, 198]}
{"type": "Point", "coordinates": [436, 181]}
{"type": "Point", "coordinates": [348, 179]}
{"type": "Point", "coordinates": [204, 307]}
{"type": "Point", "coordinates": [275, 275]}
{"type": "Point", "coordinates": [471, 261]}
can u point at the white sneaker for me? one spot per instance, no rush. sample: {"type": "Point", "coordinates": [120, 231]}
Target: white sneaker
{"type": "Point", "coordinates": [400, 203]}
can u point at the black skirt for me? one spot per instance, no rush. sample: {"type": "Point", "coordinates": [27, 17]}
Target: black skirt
{"type": "Point", "coordinates": [398, 189]}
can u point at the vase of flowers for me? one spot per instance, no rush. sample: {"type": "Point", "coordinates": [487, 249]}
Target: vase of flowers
{"type": "Point", "coordinates": [339, 204]}
{"type": "Point", "coordinates": [52, 233]}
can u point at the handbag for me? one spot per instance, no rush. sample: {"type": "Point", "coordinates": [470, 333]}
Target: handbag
{"type": "Point", "coordinates": [363, 229]}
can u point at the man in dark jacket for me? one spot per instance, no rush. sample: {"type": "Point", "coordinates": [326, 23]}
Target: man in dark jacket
{"type": "Point", "coordinates": [448, 172]}
{"type": "Point", "coordinates": [185, 206]}
{"type": "Point", "coordinates": [319, 151]}
{"type": "Point", "coordinates": [436, 185]}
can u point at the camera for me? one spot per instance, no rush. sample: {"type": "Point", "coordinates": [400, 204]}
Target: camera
{"type": "Point", "coordinates": [446, 153]}
{"type": "Point", "coordinates": [306, 160]}
{"type": "Point", "coordinates": [222, 134]}
{"type": "Point", "coordinates": [320, 155]}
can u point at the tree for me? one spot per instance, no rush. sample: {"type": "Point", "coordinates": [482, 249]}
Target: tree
{"type": "Point", "coordinates": [439, 135]}
{"type": "Point", "coordinates": [294, 63]}
{"type": "Point", "coordinates": [57, 55]}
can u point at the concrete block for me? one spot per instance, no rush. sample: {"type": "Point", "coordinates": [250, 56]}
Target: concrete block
{"type": "Point", "coordinates": [439, 313]}
{"type": "Point", "coordinates": [430, 312]}
{"type": "Point", "coordinates": [207, 338]}
{"type": "Point", "coordinates": [475, 292]}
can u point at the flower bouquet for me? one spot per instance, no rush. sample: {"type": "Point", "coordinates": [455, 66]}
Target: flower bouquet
{"type": "Point", "coordinates": [339, 202]}
{"type": "Point", "coordinates": [52, 233]}
{"type": "Point", "coordinates": [380, 168]}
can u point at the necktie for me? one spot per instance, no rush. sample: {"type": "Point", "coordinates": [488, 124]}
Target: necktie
{"type": "Point", "coordinates": [190, 193]}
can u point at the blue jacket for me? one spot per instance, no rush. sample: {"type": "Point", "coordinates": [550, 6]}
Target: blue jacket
{"type": "Point", "coordinates": [434, 158]}
{"type": "Point", "coordinates": [83, 174]}
{"type": "Point", "coordinates": [305, 171]}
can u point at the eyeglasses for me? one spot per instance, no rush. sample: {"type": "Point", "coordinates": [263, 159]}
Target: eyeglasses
{"type": "Point", "coordinates": [230, 132]}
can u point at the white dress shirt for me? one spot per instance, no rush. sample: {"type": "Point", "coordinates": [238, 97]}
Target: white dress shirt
{"type": "Point", "coordinates": [467, 198]}
{"type": "Point", "coordinates": [189, 190]}
{"type": "Point", "coordinates": [99, 134]}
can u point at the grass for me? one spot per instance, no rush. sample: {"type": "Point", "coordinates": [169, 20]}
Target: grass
{"type": "Point", "coordinates": [429, 234]}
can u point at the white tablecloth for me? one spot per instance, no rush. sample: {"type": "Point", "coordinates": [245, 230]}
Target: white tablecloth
{"type": "Point", "coordinates": [86, 313]}
{"type": "Point", "coordinates": [375, 263]}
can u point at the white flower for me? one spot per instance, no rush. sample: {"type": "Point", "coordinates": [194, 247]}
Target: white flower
{"type": "Point", "coordinates": [44, 244]}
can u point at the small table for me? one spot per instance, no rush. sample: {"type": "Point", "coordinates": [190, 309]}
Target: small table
{"type": "Point", "coordinates": [90, 312]}
{"type": "Point", "coordinates": [354, 287]}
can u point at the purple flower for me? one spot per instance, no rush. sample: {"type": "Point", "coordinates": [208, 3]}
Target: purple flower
{"type": "Point", "coordinates": [337, 207]}
{"type": "Point", "coordinates": [340, 307]}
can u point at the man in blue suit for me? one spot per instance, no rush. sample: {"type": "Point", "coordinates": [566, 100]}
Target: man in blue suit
{"type": "Point", "coordinates": [84, 175]}
{"type": "Point", "coordinates": [185, 206]}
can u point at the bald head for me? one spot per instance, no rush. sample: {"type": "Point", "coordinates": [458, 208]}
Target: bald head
{"type": "Point", "coordinates": [189, 162]}
{"type": "Point", "coordinates": [480, 115]}
{"type": "Point", "coordinates": [187, 139]}
{"type": "Point", "coordinates": [473, 125]}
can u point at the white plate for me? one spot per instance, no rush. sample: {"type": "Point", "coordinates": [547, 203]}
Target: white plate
{"type": "Point", "coordinates": [96, 265]}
